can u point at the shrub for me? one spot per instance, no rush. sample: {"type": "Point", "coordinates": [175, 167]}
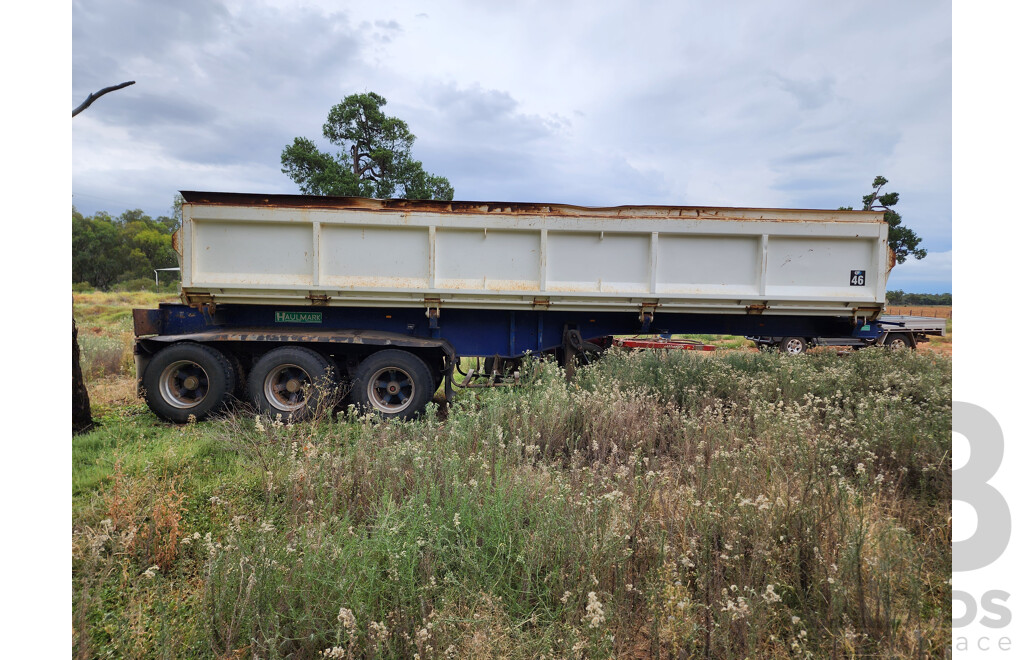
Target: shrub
{"type": "Point", "coordinates": [137, 284]}
{"type": "Point", "coordinates": [104, 355]}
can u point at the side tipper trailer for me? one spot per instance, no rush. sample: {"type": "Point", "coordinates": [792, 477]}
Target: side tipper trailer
{"type": "Point", "coordinates": [282, 292]}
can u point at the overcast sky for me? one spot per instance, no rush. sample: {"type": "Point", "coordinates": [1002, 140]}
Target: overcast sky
{"type": "Point", "coordinates": [788, 104]}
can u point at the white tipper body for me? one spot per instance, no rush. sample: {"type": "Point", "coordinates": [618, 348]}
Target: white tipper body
{"type": "Point", "coordinates": [283, 249]}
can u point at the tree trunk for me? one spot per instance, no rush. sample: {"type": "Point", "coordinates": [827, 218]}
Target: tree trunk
{"type": "Point", "coordinates": [81, 413]}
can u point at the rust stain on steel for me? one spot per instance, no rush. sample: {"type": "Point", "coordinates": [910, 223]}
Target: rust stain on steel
{"type": "Point", "coordinates": [498, 208]}
{"type": "Point", "coordinates": [756, 309]}
{"type": "Point", "coordinates": [197, 299]}
{"type": "Point", "coordinates": [146, 322]}
{"type": "Point", "coordinates": [369, 337]}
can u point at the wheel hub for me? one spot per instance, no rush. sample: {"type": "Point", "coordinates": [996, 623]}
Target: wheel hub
{"type": "Point", "coordinates": [391, 389]}
{"type": "Point", "coordinates": [285, 386]}
{"type": "Point", "coordinates": [184, 384]}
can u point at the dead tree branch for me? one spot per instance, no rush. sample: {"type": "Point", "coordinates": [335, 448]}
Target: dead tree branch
{"type": "Point", "coordinates": [92, 97]}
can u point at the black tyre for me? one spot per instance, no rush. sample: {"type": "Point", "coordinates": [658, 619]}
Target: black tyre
{"type": "Point", "coordinates": [793, 345]}
{"type": "Point", "coordinates": [292, 382]}
{"type": "Point", "coordinates": [394, 383]}
{"type": "Point", "coordinates": [186, 380]}
{"type": "Point", "coordinates": [240, 392]}
{"type": "Point", "coordinates": [898, 340]}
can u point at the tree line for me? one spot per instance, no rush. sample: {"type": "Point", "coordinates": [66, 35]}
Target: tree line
{"type": "Point", "coordinates": [899, 298]}
{"type": "Point", "coordinates": [108, 251]}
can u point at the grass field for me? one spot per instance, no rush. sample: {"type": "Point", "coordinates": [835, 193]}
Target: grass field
{"type": "Point", "coordinates": [724, 505]}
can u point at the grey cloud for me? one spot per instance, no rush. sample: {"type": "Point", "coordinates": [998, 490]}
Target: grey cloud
{"type": "Point", "coordinates": [292, 49]}
{"type": "Point", "coordinates": [244, 143]}
{"type": "Point", "coordinates": [126, 34]}
{"type": "Point", "coordinates": [811, 157]}
{"type": "Point", "coordinates": [474, 114]}
{"type": "Point", "coordinates": [225, 92]}
{"type": "Point", "coordinates": [809, 94]}
{"type": "Point", "coordinates": [151, 110]}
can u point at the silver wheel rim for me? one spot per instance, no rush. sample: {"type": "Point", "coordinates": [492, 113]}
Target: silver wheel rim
{"type": "Point", "coordinates": [897, 344]}
{"type": "Point", "coordinates": [794, 346]}
{"type": "Point", "coordinates": [184, 384]}
{"type": "Point", "coordinates": [285, 387]}
{"type": "Point", "coordinates": [390, 389]}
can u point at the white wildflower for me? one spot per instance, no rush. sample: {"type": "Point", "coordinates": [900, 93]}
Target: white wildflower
{"type": "Point", "coordinates": [378, 629]}
{"type": "Point", "coordinates": [595, 611]}
{"type": "Point", "coordinates": [347, 619]}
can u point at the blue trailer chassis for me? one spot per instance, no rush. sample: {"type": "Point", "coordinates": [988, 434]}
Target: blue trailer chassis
{"type": "Point", "coordinates": [193, 361]}
{"type": "Point", "coordinates": [478, 332]}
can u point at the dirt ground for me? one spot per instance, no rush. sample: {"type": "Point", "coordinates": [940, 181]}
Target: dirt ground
{"type": "Point", "coordinates": [940, 345]}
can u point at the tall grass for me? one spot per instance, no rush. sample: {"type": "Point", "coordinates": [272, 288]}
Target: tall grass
{"type": "Point", "coordinates": [106, 340]}
{"type": "Point", "coordinates": [662, 505]}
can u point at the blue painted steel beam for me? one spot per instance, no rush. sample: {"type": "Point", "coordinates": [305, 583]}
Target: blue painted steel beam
{"type": "Point", "coordinates": [507, 333]}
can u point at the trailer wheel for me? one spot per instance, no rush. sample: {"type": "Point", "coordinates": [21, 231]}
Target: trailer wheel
{"type": "Point", "coordinates": [794, 345]}
{"type": "Point", "coordinates": [898, 340]}
{"type": "Point", "coordinates": [394, 383]}
{"type": "Point", "coordinates": [188, 380]}
{"type": "Point", "coordinates": [292, 382]}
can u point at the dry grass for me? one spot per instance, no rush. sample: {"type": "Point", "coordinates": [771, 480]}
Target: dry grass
{"type": "Point", "coordinates": [939, 311]}
{"type": "Point", "coordinates": [663, 505]}
{"type": "Point", "coordinates": [113, 391]}
{"type": "Point", "coordinates": [106, 340]}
